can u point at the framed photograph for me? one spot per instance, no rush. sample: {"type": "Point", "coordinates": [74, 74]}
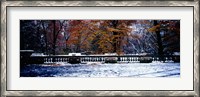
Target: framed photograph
{"type": "Point", "coordinates": [100, 48]}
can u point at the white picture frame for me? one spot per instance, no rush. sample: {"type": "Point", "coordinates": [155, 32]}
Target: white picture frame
{"type": "Point", "coordinates": [5, 91]}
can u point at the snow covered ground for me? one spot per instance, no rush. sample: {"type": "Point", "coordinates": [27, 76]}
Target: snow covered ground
{"type": "Point", "coordinates": [155, 69]}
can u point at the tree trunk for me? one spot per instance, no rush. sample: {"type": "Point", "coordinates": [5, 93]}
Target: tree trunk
{"type": "Point", "coordinates": [54, 37]}
{"type": "Point", "coordinates": [115, 41]}
{"type": "Point", "coordinates": [45, 35]}
{"type": "Point", "coordinates": [159, 41]}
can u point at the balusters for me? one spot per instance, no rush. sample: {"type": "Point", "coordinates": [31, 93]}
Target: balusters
{"type": "Point", "coordinates": [56, 59]}
{"type": "Point", "coordinates": [103, 59]}
{"type": "Point", "coordinates": [156, 59]}
{"type": "Point", "coordinates": [67, 59]}
{"type": "Point", "coordinates": [124, 59]}
{"type": "Point", "coordinates": [45, 60]}
{"type": "Point", "coordinates": [81, 59]}
{"type": "Point", "coordinates": [59, 60]}
{"type": "Point", "coordinates": [97, 59]}
{"type": "Point", "coordinates": [93, 59]}
{"type": "Point", "coordinates": [48, 60]}
{"type": "Point", "coordinates": [135, 59]}
{"type": "Point", "coordinates": [131, 59]}
{"type": "Point", "coordinates": [166, 59]}
{"type": "Point", "coordinates": [84, 59]}
{"type": "Point", "coordinates": [121, 59]}
{"type": "Point", "coordinates": [51, 60]}
{"type": "Point", "coordinates": [89, 59]}
{"type": "Point", "coordinates": [128, 59]}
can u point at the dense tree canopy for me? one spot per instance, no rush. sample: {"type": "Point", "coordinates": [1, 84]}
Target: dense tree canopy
{"type": "Point", "coordinates": [100, 36]}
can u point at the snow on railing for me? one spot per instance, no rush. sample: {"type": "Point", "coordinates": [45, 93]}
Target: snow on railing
{"type": "Point", "coordinates": [103, 58]}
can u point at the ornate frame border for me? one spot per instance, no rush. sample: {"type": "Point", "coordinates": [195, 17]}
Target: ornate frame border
{"type": "Point", "coordinates": [5, 92]}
